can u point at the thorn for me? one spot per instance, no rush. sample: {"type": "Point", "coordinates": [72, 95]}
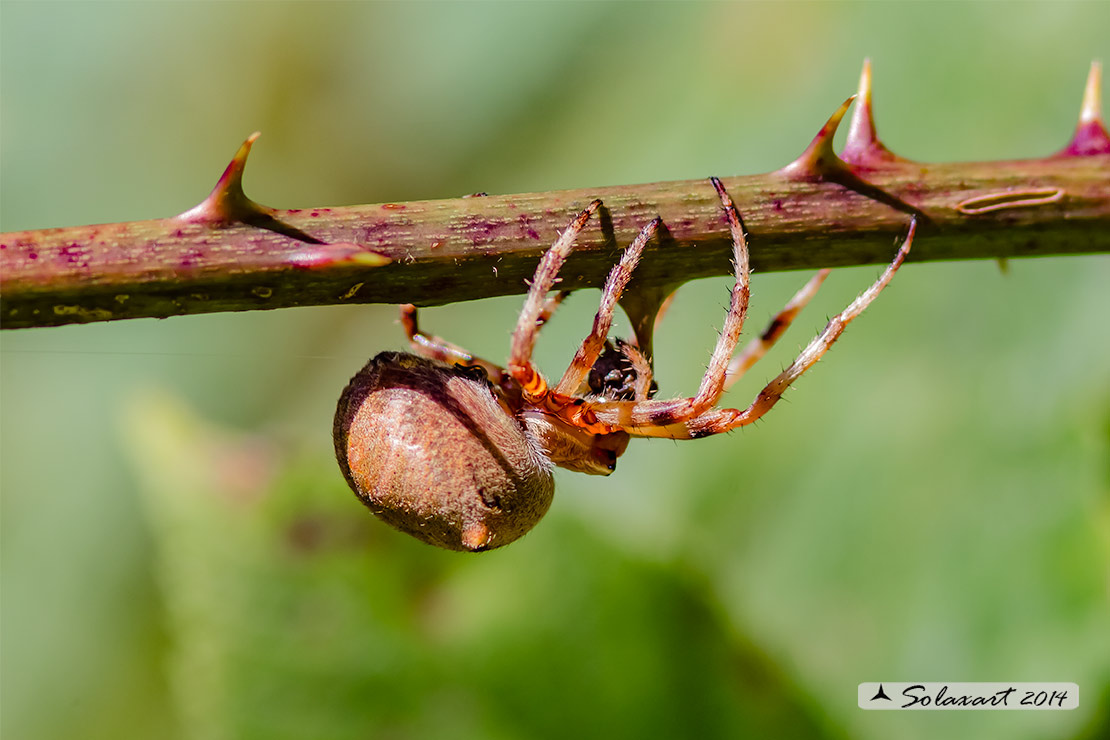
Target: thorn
{"type": "Point", "coordinates": [1090, 138]}
{"type": "Point", "coordinates": [819, 163]}
{"type": "Point", "coordinates": [819, 159]}
{"type": "Point", "coordinates": [1003, 266]}
{"type": "Point", "coordinates": [227, 203]}
{"type": "Point", "coordinates": [863, 150]}
{"type": "Point", "coordinates": [1092, 95]}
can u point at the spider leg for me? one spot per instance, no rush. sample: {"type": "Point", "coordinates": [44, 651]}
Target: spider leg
{"type": "Point", "coordinates": [615, 283]}
{"type": "Point", "coordinates": [665, 419]}
{"type": "Point", "coordinates": [434, 348]}
{"type": "Point", "coordinates": [757, 347]}
{"type": "Point", "coordinates": [713, 382]}
{"type": "Point", "coordinates": [820, 344]}
{"type": "Point", "coordinates": [645, 375]}
{"type": "Point", "coordinates": [536, 304]}
{"type": "Point", "coordinates": [549, 307]}
{"type": "Point", "coordinates": [638, 417]}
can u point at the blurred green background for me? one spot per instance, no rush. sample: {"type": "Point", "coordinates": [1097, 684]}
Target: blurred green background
{"type": "Point", "coordinates": [181, 557]}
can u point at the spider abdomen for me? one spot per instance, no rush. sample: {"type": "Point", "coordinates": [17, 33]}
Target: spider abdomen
{"type": "Point", "coordinates": [430, 451]}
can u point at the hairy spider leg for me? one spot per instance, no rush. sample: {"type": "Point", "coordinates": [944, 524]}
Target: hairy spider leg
{"type": "Point", "coordinates": [713, 382]}
{"type": "Point", "coordinates": [535, 305]}
{"type": "Point", "coordinates": [632, 415]}
{"type": "Point", "coordinates": [754, 350]}
{"type": "Point", "coordinates": [645, 374]}
{"type": "Point", "coordinates": [664, 419]}
{"type": "Point", "coordinates": [615, 283]}
{"type": "Point", "coordinates": [549, 306]}
{"type": "Point", "coordinates": [820, 344]}
{"type": "Point", "coordinates": [581, 413]}
{"type": "Point", "coordinates": [436, 348]}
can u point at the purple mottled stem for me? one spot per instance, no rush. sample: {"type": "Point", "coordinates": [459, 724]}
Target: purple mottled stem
{"type": "Point", "coordinates": [231, 254]}
{"type": "Point", "coordinates": [468, 248]}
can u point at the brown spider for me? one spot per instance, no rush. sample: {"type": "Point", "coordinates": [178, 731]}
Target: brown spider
{"type": "Point", "coordinates": [458, 451]}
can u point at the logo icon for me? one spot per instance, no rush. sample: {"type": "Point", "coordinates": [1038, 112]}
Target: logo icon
{"type": "Point", "coordinates": [880, 694]}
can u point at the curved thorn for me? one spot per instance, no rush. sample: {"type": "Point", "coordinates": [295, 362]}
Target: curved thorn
{"type": "Point", "coordinates": [227, 203]}
{"type": "Point", "coordinates": [863, 150]}
{"type": "Point", "coordinates": [230, 184]}
{"type": "Point", "coordinates": [819, 163]}
{"type": "Point", "coordinates": [1090, 138]}
{"type": "Point", "coordinates": [819, 156]}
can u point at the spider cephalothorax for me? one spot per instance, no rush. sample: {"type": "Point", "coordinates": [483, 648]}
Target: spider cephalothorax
{"type": "Point", "coordinates": [458, 451]}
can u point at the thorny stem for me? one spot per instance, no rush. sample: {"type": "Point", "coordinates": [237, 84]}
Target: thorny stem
{"type": "Point", "coordinates": [231, 254]}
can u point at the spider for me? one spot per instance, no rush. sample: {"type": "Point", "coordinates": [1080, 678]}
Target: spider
{"type": "Point", "coordinates": [458, 451]}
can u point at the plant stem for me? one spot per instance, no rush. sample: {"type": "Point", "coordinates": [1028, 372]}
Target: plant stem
{"type": "Point", "coordinates": [231, 254]}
